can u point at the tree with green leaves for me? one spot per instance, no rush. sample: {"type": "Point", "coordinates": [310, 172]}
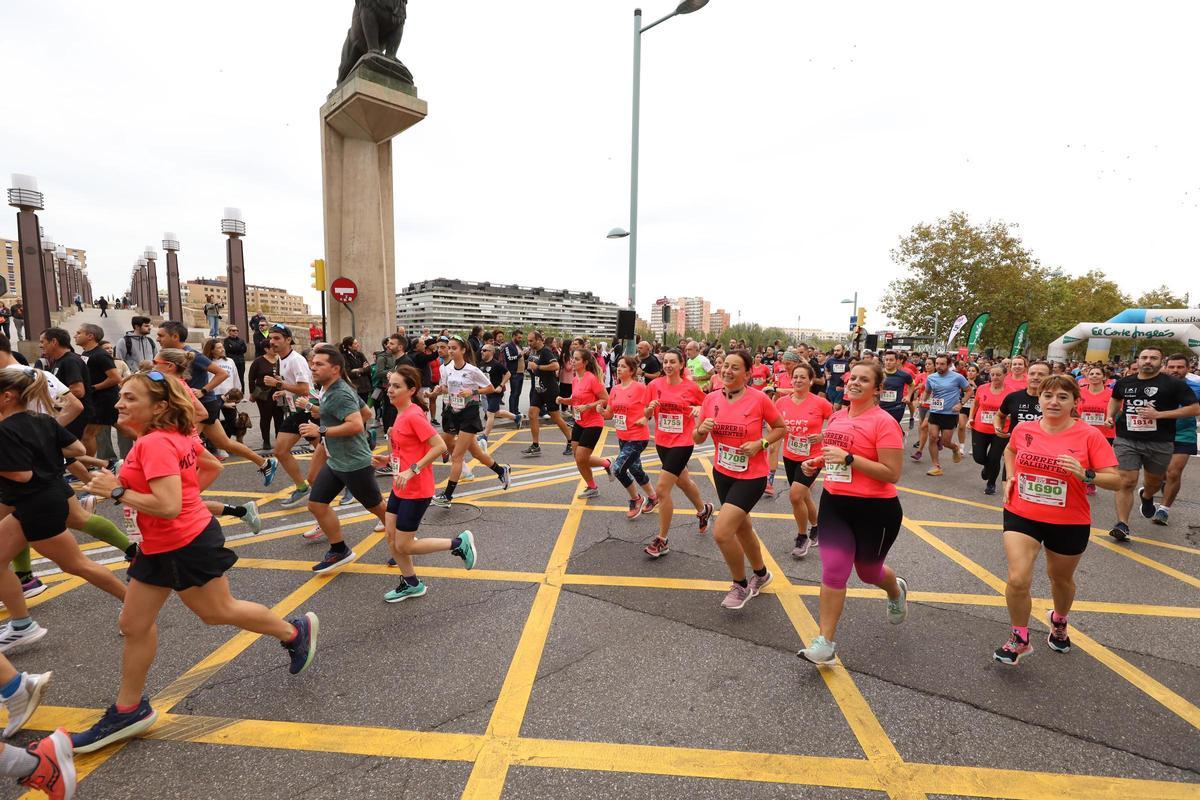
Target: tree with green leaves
{"type": "Point", "coordinates": [1162, 297]}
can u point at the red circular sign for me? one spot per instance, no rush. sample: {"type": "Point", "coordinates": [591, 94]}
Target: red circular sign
{"type": "Point", "coordinates": [344, 290]}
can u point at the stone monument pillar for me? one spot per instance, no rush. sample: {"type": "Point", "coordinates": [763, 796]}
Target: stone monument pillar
{"type": "Point", "coordinates": [151, 255]}
{"type": "Point", "coordinates": [174, 298]}
{"type": "Point", "coordinates": [234, 228]}
{"type": "Point", "coordinates": [358, 122]}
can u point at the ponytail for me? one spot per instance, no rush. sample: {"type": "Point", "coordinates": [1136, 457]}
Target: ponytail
{"type": "Point", "coordinates": [30, 384]}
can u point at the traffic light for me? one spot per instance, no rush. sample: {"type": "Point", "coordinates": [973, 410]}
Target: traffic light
{"type": "Point", "coordinates": [318, 275]}
{"type": "Point", "coordinates": [862, 317]}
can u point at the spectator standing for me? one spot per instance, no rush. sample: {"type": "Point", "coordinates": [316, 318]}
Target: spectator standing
{"type": "Point", "coordinates": [261, 337]}
{"type": "Point", "coordinates": [105, 380]}
{"type": "Point", "coordinates": [235, 351]}
{"type": "Point", "coordinates": [17, 313]}
{"type": "Point", "coordinates": [103, 305]}
{"type": "Point", "coordinates": [137, 345]}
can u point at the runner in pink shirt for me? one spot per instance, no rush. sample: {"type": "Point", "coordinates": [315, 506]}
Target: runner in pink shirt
{"type": "Point", "coordinates": [626, 407]}
{"type": "Point", "coordinates": [860, 513]}
{"type": "Point", "coordinates": [804, 413]}
{"type": "Point", "coordinates": [587, 396]}
{"type": "Point", "coordinates": [735, 418]}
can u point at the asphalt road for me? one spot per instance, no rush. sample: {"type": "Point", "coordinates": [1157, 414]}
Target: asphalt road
{"type": "Point", "coordinates": [569, 664]}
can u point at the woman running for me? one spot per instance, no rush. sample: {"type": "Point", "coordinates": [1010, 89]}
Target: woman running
{"type": "Point", "coordinates": [964, 413]}
{"type": "Point", "coordinates": [32, 448]}
{"type": "Point", "coordinates": [860, 513]}
{"type": "Point", "coordinates": [674, 404]}
{"type": "Point", "coordinates": [626, 407]}
{"type": "Point", "coordinates": [804, 414]}
{"type": "Point", "coordinates": [1051, 460]}
{"type": "Point", "coordinates": [414, 447]}
{"type": "Point", "coordinates": [780, 385]}
{"type": "Point", "coordinates": [463, 384]}
{"type": "Point", "coordinates": [1093, 406]}
{"type": "Point", "coordinates": [182, 550]}
{"type": "Point", "coordinates": [987, 448]}
{"type": "Point", "coordinates": [735, 418]}
{"type": "Point", "coordinates": [587, 395]}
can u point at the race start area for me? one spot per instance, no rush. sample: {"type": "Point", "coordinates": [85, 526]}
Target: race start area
{"type": "Point", "coordinates": [568, 664]}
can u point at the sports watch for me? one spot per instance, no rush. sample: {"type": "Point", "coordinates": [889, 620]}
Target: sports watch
{"type": "Point", "coordinates": [117, 493]}
{"type": "Point", "coordinates": [1089, 476]}
{"type": "Point", "coordinates": [849, 459]}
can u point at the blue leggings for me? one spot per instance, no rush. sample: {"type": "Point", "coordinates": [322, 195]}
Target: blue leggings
{"type": "Point", "coordinates": [627, 466]}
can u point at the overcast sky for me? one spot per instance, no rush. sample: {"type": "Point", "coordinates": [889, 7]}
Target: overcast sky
{"type": "Point", "coordinates": [785, 145]}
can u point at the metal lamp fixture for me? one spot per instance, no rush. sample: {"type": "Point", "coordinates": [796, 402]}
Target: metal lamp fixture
{"type": "Point", "coordinates": [170, 241]}
{"type": "Point", "coordinates": [70, 261]}
{"type": "Point", "coordinates": [60, 253]}
{"type": "Point", "coordinates": [47, 243]}
{"type": "Point", "coordinates": [232, 222]}
{"type": "Point", "coordinates": [688, 6]}
{"type": "Point", "coordinates": [150, 253]}
{"type": "Point", "coordinates": [24, 193]}
{"type": "Point", "coordinates": [617, 233]}
{"type": "Point", "coordinates": [141, 262]}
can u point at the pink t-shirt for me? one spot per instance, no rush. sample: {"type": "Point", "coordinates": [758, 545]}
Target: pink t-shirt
{"type": "Point", "coordinates": [586, 390]}
{"type": "Point", "coordinates": [803, 421]}
{"type": "Point", "coordinates": [627, 404]}
{"type": "Point", "coordinates": [738, 422]}
{"type": "Point", "coordinates": [987, 403]}
{"type": "Point", "coordinates": [673, 422]}
{"type": "Point", "coordinates": [161, 454]}
{"type": "Point", "coordinates": [409, 437]}
{"type": "Point", "coordinates": [862, 436]}
{"type": "Point", "coordinates": [1042, 490]}
{"type": "Point", "coordinates": [1093, 409]}
{"type": "Point", "coordinates": [1013, 383]}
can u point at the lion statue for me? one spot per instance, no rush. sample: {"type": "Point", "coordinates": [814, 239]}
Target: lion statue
{"type": "Point", "coordinates": [375, 27]}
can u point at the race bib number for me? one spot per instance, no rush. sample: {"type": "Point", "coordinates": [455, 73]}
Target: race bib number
{"type": "Point", "coordinates": [395, 465]}
{"type": "Point", "coordinates": [987, 417]}
{"type": "Point", "coordinates": [131, 524]}
{"type": "Point", "coordinates": [838, 369]}
{"type": "Point", "coordinates": [1140, 424]}
{"type": "Point", "coordinates": [290, 399]}
{"type": "Point", "coordinates": [937, 404]}
{"type": "Point", "coordinates": [1042, 489]}
{"type": "Point", "coordinates": [888, 396]}
{"type": "Point", "coordinates": [670, 423]}
{"type": "Point", "coordinates": [798, 445]}
{"type": "Point", "coordinates": [838, 473]}
{"type": "Point", "coordinates": [458, 403]}
{"type": "Point", "coordinates": [732, 458]}
{"type": "Point", "coordinates": [1094, 418]}
{"type": "Point", "coordinates": [537, 384]}
{"type": "Point", "coordinates": [619, 422]}
{"type": "Point", "coordinates": [577, 413]}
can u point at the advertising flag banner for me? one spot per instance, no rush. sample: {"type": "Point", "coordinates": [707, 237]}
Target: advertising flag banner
{"type": "Point", "coordinates": [1019, 339]}
{"type": "Point", "coordinates": [977, 332]}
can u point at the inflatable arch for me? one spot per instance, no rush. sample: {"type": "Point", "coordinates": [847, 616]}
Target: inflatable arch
{"type": "Point", "coordinates": [1099, 347]}
{"type": "Point", "coordinates": [1187, 333]}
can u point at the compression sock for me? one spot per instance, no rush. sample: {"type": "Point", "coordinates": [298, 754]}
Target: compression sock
{"type": "Point", "coordinates": [411, 580]}
{"type": "Point", "coordinates": [22, 623]}
{"type": "Point", "coordinates": [99, 527]}
{"type": "Point", "coordinates": [17, 762]}
{"type": "Point", "coordinates": [1019, 630]}
{"type": "Point", "coordinates": [1058, 620]}
{"type": "Point", "coordinates": [233, 511]}
{"type": "Point", "coordinates": [301, 486]}
{"type": "Point", "coordinates": [496, 468]}
{"type": "Point", "coordinates": [23, 564]}
{"type": "Point", "coordinates": [449, 490]}
{"type": "Point", "coordinates": [10, 688]}
{"type": "Point", "coordinates": [126, 709]}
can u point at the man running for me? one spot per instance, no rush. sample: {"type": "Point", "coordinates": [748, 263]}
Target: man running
{"type": "Point", "coordinates": [1185, 438]}
{"type": "Point", "coordinates": [292, 379]}
{"type": "Point", "coordinates": [896, 385]}
{"type": "Point", "coordinates": [836, 367]}
{"type": "Point", "coordinates": [543, 391]}
{"type": "Point", "coordinates": [1145, 408]}
{"type": "Point", "coordinates": [944, 392]}
{"type": "Point", "coordinates": [649, 367]}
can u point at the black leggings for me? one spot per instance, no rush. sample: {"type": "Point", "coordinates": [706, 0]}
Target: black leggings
{"type": "Point", "coordinates": [268, 411]}
{"type": "Point", "coordinates": [988, 451]}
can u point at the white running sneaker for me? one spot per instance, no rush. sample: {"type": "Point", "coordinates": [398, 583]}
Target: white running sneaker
{"type": "Point", "coordinates": [11, 638]}
{"type": "Point", "coordinates": [820, 651]}
{"type": "Point", "coordinates": [25, 700]}
{"type": "Point", "coordinates": [313, 534]}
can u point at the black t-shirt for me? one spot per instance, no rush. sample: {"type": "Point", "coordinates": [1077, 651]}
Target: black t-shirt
{"type": "Point", "coordinates": [70, 369]}
{"type": "Point", "coordinates": [98, 365]}
{"type": "Point", "coordinates": [1020, 406]}
{"type": "Point", "coordinates": [1162, 392]}
{"type": "Point", "coordinates": [31, 442]}
{"type": "Point", "coordinates": [512, 354]}
{"type": "Point", "coordinates": [495, 370]}
{"type": "Point", "coordinates": [835, 371]}
{"type": "Point", "coordinates": [650, 367]}
{"type": "Point", "coordinates": [894, 388]}
{"type": "Point", "coordinates": [422, 360]}
{"type": "Point", "coordinates": [543, 381]}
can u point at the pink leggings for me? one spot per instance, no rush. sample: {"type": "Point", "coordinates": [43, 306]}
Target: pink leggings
{"type": "Point", "coordinates": [856, 532]}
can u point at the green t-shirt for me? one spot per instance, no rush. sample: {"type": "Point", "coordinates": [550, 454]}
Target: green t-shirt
{"type": "Point", "coordinates": [346, 453]}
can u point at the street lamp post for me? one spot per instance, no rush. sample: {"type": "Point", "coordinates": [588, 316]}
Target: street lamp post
{"type": "Point", "coordinates": [48, 248]}
{"type": "Point", "coordinates": [150, 255]}
{"type": "Point", "coordinates": [174, 298]}
{"type": "Point", "coordinates": [144, 287]}
{"type": "Point", "coordinates": [72, 279]}
{"type": "Point", "coordinates": [60, 258]}
{"type": "Point", "coordinates": [685, 7]}
{"type": "Point", "coordinates": [24, 196]}
{"type": "Point", "coordinates": [233, 226]}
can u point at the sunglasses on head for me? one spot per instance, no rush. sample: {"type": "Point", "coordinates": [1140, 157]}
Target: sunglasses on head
{"type": "Point", "coordinates": [156, 376]}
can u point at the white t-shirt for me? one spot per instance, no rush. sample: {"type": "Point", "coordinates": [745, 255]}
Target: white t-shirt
{"type": "Point", "coordinates": [456, 380]}
{"type": "Point", "coordinates": [230, 383]}
{"type": "Point", "coordinates": [294, 369]}
{"type": "Point", "coordinates": [57, 388]}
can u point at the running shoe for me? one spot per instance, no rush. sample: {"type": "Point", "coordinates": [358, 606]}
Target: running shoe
{"type": "Point", "coordinates": [115, 727]}
{"type": "Point", "coordinates": [608, 470]}
{"type": "Point", "coordinates": [25, 700]}
{"type": "Point", "coordinates": [467, 473]}
{"type": "Point", "coordinates": [934, 472]}
{"type": "Point", "coordinates": [295, 498]}
{"type": "Point", "coordinates": [517, 422]}
{"type": "Point", "coordinates": [812, 534]}
{"type": "Point", "coordinates": [1161, 516]}
{"type": "Point", "coordinates": [958, 455]}
{"type": "Point", "coordinates": [384, 472]}
{"type": "Point", "coordinates": [635, 507]}
{"type": "Point", "coordinates": [115, 464]}
{"type": "Point", "coordinates": [405, 592]}
{"type": "Point", "coordinates": [897, 610]}
{"type": "Point", "coordinates": [803, 543]}
{"type": "Point", "coordinates": [1120, 532]}
{"type": "Point", "coordinates": [55, 770]}
{"type": "Point", "coordinates": [505, 475]}
{"type": "Point", "coordinates": [466, 549]}
{"type": "Point", "coordinates": [379, 526]}
{"type": "Point", "coordinates": [916, 455]}
{"type": "Point", "coordinates": [88, 503]}
{"type": "Point", "coordinates": [820, 651]}
{"type": "Point", "coordinates": [757, 583]}
{"type": "Point", "coordinates": [446, 457]}
{"type": "Point", "coordinates": [650, 504]}
{"type": "Point", "coordinates": [657, 549]}
{"type": "Point", "coordinates": [532, 451]}
{"type": "Point", "coordinates": [983, 473]}
{"type": "Point", "coordinates": [131, 552]}
{"type": "Point", "coordinates": [567, 450]}
{"type": "Point", "coordinates": [221, 455]}
{"type": "Point", "coordinates": [587, 494]}
{"type": "Point", "coordinates": [441, 501]}
{"type": "Point", "coordinates": [32, 587]}
{"type": "Point", "coordinates": [269, 469]}
{"type": "Point", "coordinates": [347, 500]}
{"type": "Point", "coordinates": [990, 488]}
{"type": "Point", "coordinates": [313, 534]}
{"type": "Point", "coordinates": [252, 519]}
{"type": "Point", "coordinates": [12, 638]}
{"type": "Point", "coordinates": [333, 559]}
{"type": "Point", "coordinates": [303, 646]}
{"type": "Point", "coordinates": [705, 517]}
{"type": "Point", "coordinates": [1058, 640]}
{"type": "Point", "coordinates": [481, 440]}
{"type": "Point", "coordinates": [736, 597]}
{"type": "Point", "coordinates": [1013, 650]}
{"type": "Point", "coordinates": [1147, 505]}
{"type": "Point", "coordinates": [769, 491]}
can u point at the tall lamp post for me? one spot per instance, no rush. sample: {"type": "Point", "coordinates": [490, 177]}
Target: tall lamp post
{"type": "Point", "coordinates": [233, 226]}
{"type": "Point", "coordinates": [143, 287]}
{"type": "Point", "coordinates": [72, 279]}
{"type": "Point", "coordinates": [685, 7]}
{"type": "Point", "coordinates": [174, 298]}
{"type": "Point", "coordinates": [60, 258]}
{"type": "Point", "coordinates": [150, 255]}
{"type": "Point", "coordinates": [48, 249]}
{"type": "Point", "coordinates": [854, 320]}
{"type": "Point", "coordinates": [24, 196]}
